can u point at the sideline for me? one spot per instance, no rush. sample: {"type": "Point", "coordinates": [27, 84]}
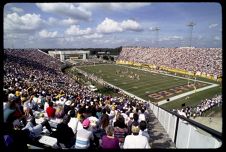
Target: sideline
{"type": "Point", "coordinates": [186, 94]}
{"type": "Point", "coordinates": [166, 74]}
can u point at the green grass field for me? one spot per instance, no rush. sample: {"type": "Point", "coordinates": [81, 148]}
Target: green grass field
{"type": "Point", "coordinates": [193, 99]}
{"type": "Point", "coordinates": [147, 83]}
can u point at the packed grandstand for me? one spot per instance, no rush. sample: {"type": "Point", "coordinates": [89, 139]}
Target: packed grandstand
{"type": "Point", "coordinates": [201, 61]}
{"type": "Point", "coordinates": [42, 105]}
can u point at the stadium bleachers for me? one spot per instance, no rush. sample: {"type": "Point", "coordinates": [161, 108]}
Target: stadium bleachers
{"type": "Point", "coordinates": [33, 80]}
{"type": "Point", "coordinates": [201, 60]}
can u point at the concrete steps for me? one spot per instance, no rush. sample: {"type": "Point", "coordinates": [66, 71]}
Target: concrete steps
{"type": "Point", "coordinates": [159, 139]}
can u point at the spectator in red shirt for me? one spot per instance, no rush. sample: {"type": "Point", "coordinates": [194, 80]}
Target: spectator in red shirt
{"type": "Point", "coordinates": [50, 110]}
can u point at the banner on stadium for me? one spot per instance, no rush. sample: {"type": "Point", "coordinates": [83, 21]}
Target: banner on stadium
{"type": "Point", "coordinates": [173, 70]}
{"type": "Point", "coordinates": [136, 64]}
{"type": "Point", "coordinates": [198, 73]}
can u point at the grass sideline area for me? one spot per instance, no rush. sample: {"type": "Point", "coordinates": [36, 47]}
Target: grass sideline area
{"type": "Point", "coordinates": [193, 99]}
{"type": "Point", "coordinates": [147, 83]}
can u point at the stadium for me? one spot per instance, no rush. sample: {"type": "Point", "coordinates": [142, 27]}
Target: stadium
{"type": "Point", "coordinates": [108, 98]}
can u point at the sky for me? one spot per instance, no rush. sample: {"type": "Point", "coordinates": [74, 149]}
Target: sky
{"type": "Point", "coordinates": [111, 25]}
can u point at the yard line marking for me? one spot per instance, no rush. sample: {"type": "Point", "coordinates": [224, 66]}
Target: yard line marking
{"type": "Point", "coordinates": [186, 94]}
{"type": "Point", "coordinates": [168, 74]}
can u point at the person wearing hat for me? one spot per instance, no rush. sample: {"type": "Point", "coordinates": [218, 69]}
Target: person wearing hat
{"type": "Point", "coordinates": [84, 137]}
{"type": "Point", "coordinates": [64, 133]}
{"type": "Point", "coordinates": [136, 141]}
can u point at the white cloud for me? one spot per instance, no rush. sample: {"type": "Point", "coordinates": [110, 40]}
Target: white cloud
{"type": "Point", "coordinates": [114, 6]}
{"type": "Point", "coordinates": [69, 21]}
{"type": "Point", "coordinates": [70, 39]}
{"type": "Point", "coordinates": [52, 21]}
{"type": "Point", "coordinates": [154, 28]}
{"type": "Point", "coordinates": [17, 9]}
{"type": "Point", "coordinates": [75, 30]}
{"type": "Point", "coordinates": [93, 36]}
{"type": "Point", "coordinates": [111, 26]}
{"type": "Point", "coordinates": [65, 9]}
{"type": "Point", "coordinates": [176, 37]}
{"type": "Point", "coordinates": [168, 38]}
{"type": "Point", "coordinates": [213, 25]}
{"type": "Point", "coordinates": [65, 22]}
{"type": "Point", "coordinates": [27, 22]}
{"type": "Point", "coordinates": [131, 25]}
{"type": "Point", "coordinates": [127, 6]}
{"type": "Point", "coordinates": [151, 28]}
{"type": "Point", "coordinates": [46, 34]}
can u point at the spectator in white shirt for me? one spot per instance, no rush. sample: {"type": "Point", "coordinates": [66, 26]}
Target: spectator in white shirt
{"type": "Point", "coordinates": [142, 116]}
{"type": "Point", "coordinates": [136, 141]}
{"type": "Point", "coordinates": [84, 136]}
{"type": "Point", "coordinates": [73, 123]}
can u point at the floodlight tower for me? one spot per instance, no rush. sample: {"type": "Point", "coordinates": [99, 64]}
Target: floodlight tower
{"type": "Point", "coordinates": [156, 29]}
{"type": "Point", "coordinates": [191, 25]}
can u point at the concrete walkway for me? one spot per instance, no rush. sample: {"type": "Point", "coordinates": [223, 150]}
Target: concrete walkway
{"type": "Point", "coordinates": [159, 139]}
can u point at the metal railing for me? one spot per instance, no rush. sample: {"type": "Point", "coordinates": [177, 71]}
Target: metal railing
{"type": "Point", "coordinates": [186, 133]}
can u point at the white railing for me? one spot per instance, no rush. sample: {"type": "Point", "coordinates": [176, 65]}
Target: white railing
{"type": "Point", "coordinates": [186, 133]}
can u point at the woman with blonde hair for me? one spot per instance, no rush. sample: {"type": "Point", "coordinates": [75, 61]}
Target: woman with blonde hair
{"type": "Point", "coordinates": [59, 111]}
{"type": "Point", "coordinates": [108, 141]}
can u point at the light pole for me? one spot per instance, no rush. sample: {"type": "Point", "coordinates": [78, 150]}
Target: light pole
{"type": "Point", "coordinates": [191, 25]}
{"type": "Point", "coordinates": [156, 29]}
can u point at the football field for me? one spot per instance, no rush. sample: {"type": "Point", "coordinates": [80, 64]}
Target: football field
{"type": "Point", "coordinates": [144, 84]}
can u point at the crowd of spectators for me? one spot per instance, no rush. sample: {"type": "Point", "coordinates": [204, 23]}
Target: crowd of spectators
{"type": "Point", "coordinates": [204, 60]}
{"type": "Point", "coordinates": [202, 107]}
{"type": "Point", "coordinates": [41, 102]}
